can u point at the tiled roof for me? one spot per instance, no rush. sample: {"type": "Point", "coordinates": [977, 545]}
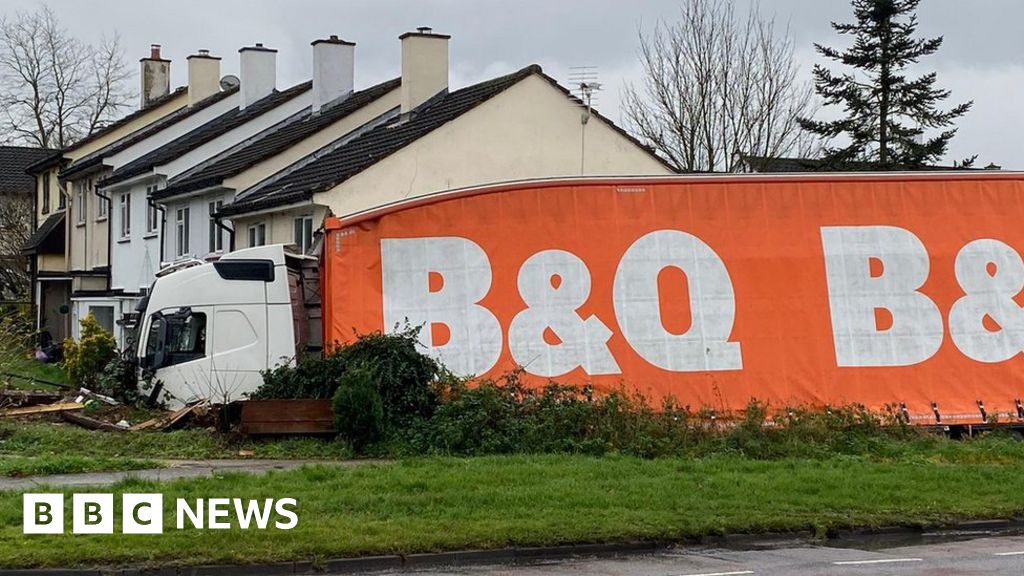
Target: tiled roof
{"type": "Point", "coordinates": [348, 160]}
{"type": "Point", "coordinates": [50, 233]}
{"type": "Point", "coordinates": [273, 142]}
{"type": "Point", "coordinates": [96, 158]}
{"type": "Point", "coordinates": [203, 134]}
{"type": "Point", "coordinates": [180, 91]}
{"type": "Point", "coordinates": [14, 160]}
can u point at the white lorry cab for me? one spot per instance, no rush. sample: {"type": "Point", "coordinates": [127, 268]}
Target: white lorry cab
{"type": "Point", "coordinates": [209, 328]}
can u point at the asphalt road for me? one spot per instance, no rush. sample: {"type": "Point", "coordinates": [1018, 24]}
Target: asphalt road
{"type": "Point", "coordinates": [998, 555]}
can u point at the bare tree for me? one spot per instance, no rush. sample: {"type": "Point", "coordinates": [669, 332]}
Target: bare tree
{"type": "Point", "coordinates": [15, 229]}
{"type": "Point", "coordinates": [716, 86]}
{"type": "Point", "coordinates": [54, 88]}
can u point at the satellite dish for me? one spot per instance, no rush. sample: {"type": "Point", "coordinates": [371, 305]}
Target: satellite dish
{"type": "Point", "coordinates": [228, 82]}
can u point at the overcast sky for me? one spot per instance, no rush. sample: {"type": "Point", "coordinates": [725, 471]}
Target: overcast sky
{"type": "Point", "coordinates": [982, 58]}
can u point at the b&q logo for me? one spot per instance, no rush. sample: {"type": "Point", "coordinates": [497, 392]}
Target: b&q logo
{"type": "Point", "coordinates": [144, 513]}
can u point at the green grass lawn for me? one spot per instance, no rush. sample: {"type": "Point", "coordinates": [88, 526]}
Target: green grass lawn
{"type": "Point", "coordinates": [35, 375]}
{"type": "Point", "coordinates": [443, 503]}
{"type": "Point", "coordinates": [18, 466]}
{"type": "Point", "coordinates": [44, 438]}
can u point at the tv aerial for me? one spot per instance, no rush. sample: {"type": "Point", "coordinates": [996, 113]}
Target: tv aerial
{"type": "Point", "coordinates": [584, 86]}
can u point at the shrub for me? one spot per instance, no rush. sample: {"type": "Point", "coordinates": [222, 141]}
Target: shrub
{"type": "Point", "coordinates": [84, 360]}
{"type": "Point", "coordinates": [403, 376]}
{"type": "Point", "coordinates": [119, 379]}
{"type": "Point", "coordinates": [358, 409]}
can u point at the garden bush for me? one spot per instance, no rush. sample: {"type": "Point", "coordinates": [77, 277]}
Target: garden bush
{"type": "Point", "coordinates": [85, 359]}
{"type": "Point", "coordinates": [504, 416]}
{"type": "Point", "coordinates": [358, 409]}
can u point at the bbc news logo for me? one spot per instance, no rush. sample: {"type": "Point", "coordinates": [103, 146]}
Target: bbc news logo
{"type": "Point", "coordinates": [144, 513]}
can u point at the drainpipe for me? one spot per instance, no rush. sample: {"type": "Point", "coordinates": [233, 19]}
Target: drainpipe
{"type": "Point", "coordinates": [231, 232]}
{"type": "Point", "coordinates": [163, 222]}
{"type": "Point", "coordinates": [110, 235]}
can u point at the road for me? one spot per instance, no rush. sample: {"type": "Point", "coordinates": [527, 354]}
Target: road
{"type": "Point", "coordinates": [998, 555]}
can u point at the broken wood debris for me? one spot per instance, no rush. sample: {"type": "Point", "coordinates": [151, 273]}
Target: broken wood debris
{"type": "Point", "coordinates": [90, 423]}
{"type": "Point", "coordinates": [170, 420]}
{"type": "Point", "coordinates": [47, 409]}
{"type": "Point", "coordinates": [19, 398]}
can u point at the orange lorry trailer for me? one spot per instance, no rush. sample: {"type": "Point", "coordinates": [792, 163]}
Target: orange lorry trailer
{"type": "Point", "coordinates": [887, 290]}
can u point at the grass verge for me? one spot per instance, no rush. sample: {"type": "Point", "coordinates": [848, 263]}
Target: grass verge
{"type": "Point", "coordinates": [44, 438]}
{"type": "Point", "coordinates": [438, 504]}
{"type": "Point", "coordinates": [18, 466]}
{"type": "Point", "coordinates": [35, 375]}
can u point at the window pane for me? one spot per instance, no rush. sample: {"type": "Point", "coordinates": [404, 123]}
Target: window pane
{"type": "Point", "coordinates": [186, 339]}
{"type": "Point", "coordinates": [104, 316]}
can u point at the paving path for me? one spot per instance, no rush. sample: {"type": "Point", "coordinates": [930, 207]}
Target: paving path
{"type": "Point", "coordinates": [174, 469]}
{"type": "Point", "coordinates": [1001, 555]}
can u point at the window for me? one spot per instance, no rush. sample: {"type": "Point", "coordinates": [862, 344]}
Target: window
{"type": "Point", "coordinates": [175, 338]}
{"type": "Point", "coordinates": [80, 201]}
{"type": "Point", "coordinates": [102, 207]}
{"type": "Point", "coordinates": [126, 215]}
{"type": "Point", "coordinates": [62, 201]}
{"type": "Point", "coordinates": [152, 214]}
{"type": "Point", "coordinates": [181, 231]}
{"type": "Point", "coordinates": [104, 317]}
{"type": "Point", "coordinates": [216, 233]}
{"type": "Point", "coordinates": [46, 193]}
{"type": "Point", "coordinates": [304, 233]}
{"type": "Point", "coordinates": [257, 234]}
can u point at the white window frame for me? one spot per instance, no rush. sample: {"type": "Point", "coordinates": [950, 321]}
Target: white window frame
{"type": "Point", "coordinates": [306, 231]}
{"type": "Point", "coordinates": [80, 199]}
{"type": "Point", "coordinates": [46, 194]}
{"type": "Point", "coordinates": [181, 231]}
{"type": "Point", "coordinates": [102, 208]}
{"type": "Point", "coordinates": [257, 234]}
{"type": "Point", "coordinates": [124, 204]}
{"type": "Point", "coordinates": [152, 213]}
{"type": "Point", "coordinates": [62, 200]}
{"type": "Point", "coordinates": [216, 240]}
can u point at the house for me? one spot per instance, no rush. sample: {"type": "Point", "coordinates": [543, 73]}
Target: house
{"type": "Point", "coordinates": [145, 234]}
{"type": "Point", "coordinates": [52, 281]}
{"type": "Point", "coordinates": [18, 251]}
{"type": "Point", "coordinates": [271, 164]}
{"type": "Point", "coordinates": [522, 125]}
{"type": "Point", "coordinates": [337, 114]}
{"type": "Point", "coordinates": [88, 213]}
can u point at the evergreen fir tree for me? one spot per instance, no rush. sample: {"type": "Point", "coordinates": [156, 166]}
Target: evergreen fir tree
{"type": "Point", "coordinates": [886, 113]}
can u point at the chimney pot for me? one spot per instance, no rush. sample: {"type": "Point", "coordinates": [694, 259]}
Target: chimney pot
{"type": "Point", "coordinates": [155, 76]}
{"type": "Point", "coordinates": [333, 70]}
{"type": "Point", "coordinates": [258, 72]}
{"type": "Point", "coordinates": [203, 76]}
{"type": "Point", "coordinates": [424, 67]}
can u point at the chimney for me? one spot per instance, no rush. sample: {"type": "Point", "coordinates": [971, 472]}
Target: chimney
{"type": "Point", "coordinates": [424, 66]}
{"type": "Point", "coordinates": [156, 76]}
{"type": "Point", "coordinates": [333, 70]}
{"type": "Point", "coordinates": [258, 69]}
{"type": "Point", "coordinates": [203, 76]}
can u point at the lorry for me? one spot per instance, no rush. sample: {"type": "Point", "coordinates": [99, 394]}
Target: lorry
{"type": "Point", "coordinates": [894, 291]}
